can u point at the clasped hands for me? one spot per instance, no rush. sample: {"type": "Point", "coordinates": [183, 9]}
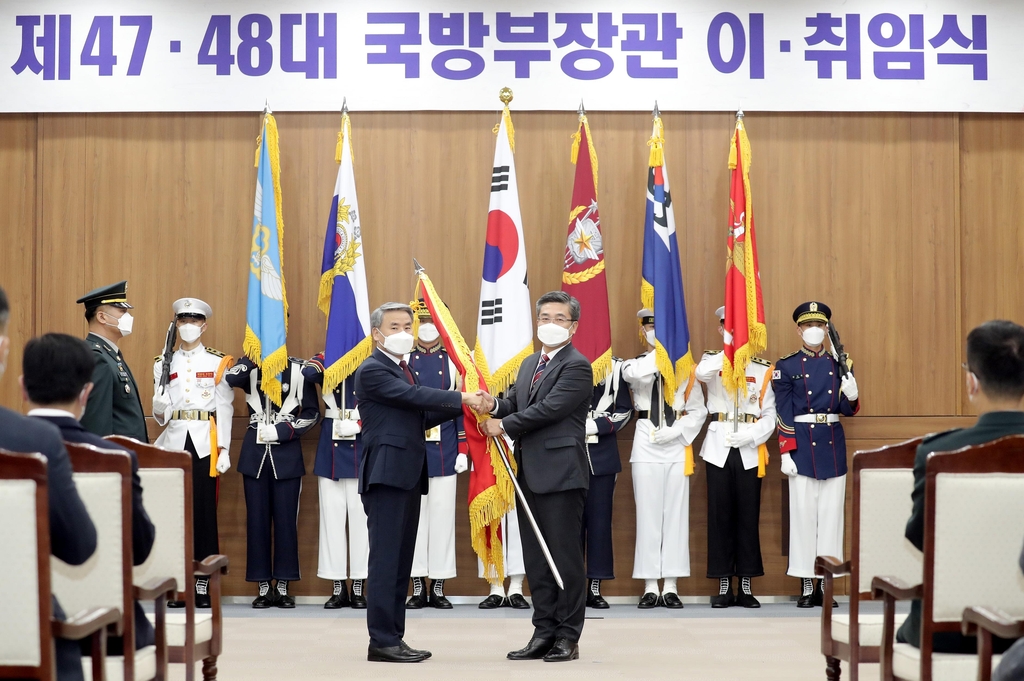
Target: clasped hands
{"type": "Point", "coordinates": [482, 403]}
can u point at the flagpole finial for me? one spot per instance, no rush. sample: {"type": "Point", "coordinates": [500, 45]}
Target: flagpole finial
{"type": "Point", "coordinates": [505, 95]}
{"type": "Point", "coordinates": [266, 107]}
{"type": "Point", "coordinates": [344, 106]}
{"type": "Point", "coordinates": [739, 114]}
{"type": "Point", "coordinates": [581, 111]}
{"type": "Point", "coordinates": [657, 111]}
{"type": "Point", "coordinates": [418, 266]}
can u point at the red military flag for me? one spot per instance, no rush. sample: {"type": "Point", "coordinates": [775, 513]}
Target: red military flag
{"type": "Point", "coordinates": [583, 274]}
{"type": "Point", "coordinates": [745, 333]}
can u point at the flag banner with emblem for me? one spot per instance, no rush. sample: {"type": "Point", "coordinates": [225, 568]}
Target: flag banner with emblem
{"type": "Point", "coordinates": [661, 286]}
{"type": "Point", "coordinates": [504, 332]}
{"type": "Point", "coordinates": [343, 295]}
{"type": "Point", "coordinates": [266, 314]}
{"type": "Point", "coordinates": [583, 273]}
{"type": "Point", "coordinates": [491, 494]}
{"type": "Point", "coordinates": [745, 335]}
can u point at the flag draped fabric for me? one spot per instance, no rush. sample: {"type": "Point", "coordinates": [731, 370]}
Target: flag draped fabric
{"type": "Point", "coordinates": [266, 316]}
{"type": "Point", "coordinates": [661, 287]}
{"type": "Point", "coordinates": [504, 332]}
{"type": "Point", "coordinates": [343, 298]}
{"type": "Point", "coordinates": [491, 493]}
{"type": "Point", "coordinates": [583, 274]}
{"type": "Point", "coordinates": [745, 333]}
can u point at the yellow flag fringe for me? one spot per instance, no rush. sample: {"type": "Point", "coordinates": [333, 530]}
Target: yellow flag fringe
{"type": "Point", "coordinates": [502, 379]}
{"type": "Point", "coordinates": [347, 364]}
{"type": "Point", "coordinates": [323, 299]}
{"type": "Point", "coordinates": [506, 119]}
{"type": "Point", "coordinates": [575, 152]}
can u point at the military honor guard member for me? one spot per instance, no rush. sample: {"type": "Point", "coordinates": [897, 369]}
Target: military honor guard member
{"type": "Point", "coordinates": [735, 454]}
{"type": "Point", "coordinates": [338, 453]}
{"type": "Point", "coordinates": [272, 468]}
{"type": "Point", "coordinates": [196, 406]}
{"type": "Point", "coordinates": [514, 565]}
{"type": "Point", "coordinates": [434, 556]}
{"type": "Point", "coordinates": [114, 407]}
{"type": "Point", "coordinates": [611, 409]}
{"type": "Point", "coordinates": [810, 394]}
{"type": "Point", "coordinates": [664, 434]}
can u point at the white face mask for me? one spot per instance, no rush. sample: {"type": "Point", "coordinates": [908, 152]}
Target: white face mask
{"type": "Point", "coordinates": [552, 335]}
{"type": "Point", "coordinates": [649, 335]}
{"type": "Point", "coordinates": [190, 332]}
{"type": "Point", "coordinates": [399, 343]}
{"type": "Point", "coordinates": [428, 333]}
{"type": "Point", "coordinates": [813, 335]}
{"type": "Point", "coordinates": [124, 324]}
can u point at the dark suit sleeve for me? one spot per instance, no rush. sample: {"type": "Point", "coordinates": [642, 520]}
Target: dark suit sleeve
{"type": "Point", "coordinates": [381, 385]}
{"type": "Point", "coordinates": [99, 410]}
{"type": "Point", "coordinates": [143, 531]}
{"type": "Point", "coordinates": [574, 385]}
{"type": "Point", "coordinates": [915, 526]}
{"type": "Point", "coordinates": [72, 534]}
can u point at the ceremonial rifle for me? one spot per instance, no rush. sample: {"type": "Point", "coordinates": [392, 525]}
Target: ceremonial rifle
{"type": "Point", "coordinates": [838, 351]}
{"type": "Point", "coordinates": [165, 372]}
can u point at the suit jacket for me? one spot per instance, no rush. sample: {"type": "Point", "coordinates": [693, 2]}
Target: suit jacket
{"type": "Point", "coordinates": [394, 415]}
{"type": "Point", "coordinates": [989, 427]}
{"type": "Point", "coordinates": [72, 534]}
{"type": "Point", "coordinates": [114, 407]}
{"type": "Point", "coordinates": [548, 421]}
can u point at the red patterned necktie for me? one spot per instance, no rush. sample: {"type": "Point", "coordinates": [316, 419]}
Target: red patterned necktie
{"type": "Point", "coordinates": [408, 374]}
{"type": "Point", "coordinates": [540, 369]}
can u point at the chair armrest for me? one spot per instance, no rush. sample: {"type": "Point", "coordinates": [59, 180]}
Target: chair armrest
{"type": "Point", "coordinates": [829, 565]}
{"type": "Point", "coordinates": [992, 620]}
{"type": "Point", "coordinates": [85, 623]}
{"type": "Point", "coordinates": [896, 588]}
{"type": "Point", "coordinates": [156, 587]}
{"type": "Point", "coordinates": [209, 565]}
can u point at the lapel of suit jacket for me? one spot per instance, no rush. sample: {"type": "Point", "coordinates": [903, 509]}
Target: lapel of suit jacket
{"type": "Point", "coordinates": [525, 377]}
{"type": "Point", "coordinates": [386, 360]}
{"type": "Point", "coordinates": [549, 370]}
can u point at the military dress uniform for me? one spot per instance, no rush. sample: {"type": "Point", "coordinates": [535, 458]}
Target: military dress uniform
{"type": "Point", "coordinates": [337, 469]}
{"type": "Point", "coordinates": [809, 401]}
{"type": "Point", "coordinates": [272, 477]}
{"type": "Point", "coordinates": [734, 473]}
{"type": "Point", "coordinates": [611, 409]}
{"type": "Point", "coordinates": [114, 406]}
{"type": "Point", "coordinates": [661, 486]}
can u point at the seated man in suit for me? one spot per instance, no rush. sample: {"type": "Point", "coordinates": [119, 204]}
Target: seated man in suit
{"type": "Point", "coordinates": [56, 380]}
{"type": "Point", "coordinates": [72, 534]}
{"type": "Point", "coordinates": [995, 386]}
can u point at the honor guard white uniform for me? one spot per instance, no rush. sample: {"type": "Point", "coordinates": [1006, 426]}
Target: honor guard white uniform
{"type": "Point", "coordinates": [735, 453]}
{"type": "Point", "coordinates": [664, 434]}
{"type": "Point", "coordinates": [514, 564]}
{"type": "Point", "coordinates": [196, 407]}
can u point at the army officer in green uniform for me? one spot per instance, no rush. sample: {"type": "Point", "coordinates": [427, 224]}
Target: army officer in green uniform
{"type": "Point", "coordinates": [114, 407]}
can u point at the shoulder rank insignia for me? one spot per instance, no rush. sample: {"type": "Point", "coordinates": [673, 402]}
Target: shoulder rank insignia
{"type": "Point", "coordinates": [217, 353]}
{"type": "Point", "coordinates": [797, 352]}
{"type": "Point", "coordinates": [711, 352]}
{"type": "Point", "coordinates": [158, 358]}
{"type": "Point", "coordinates": [762, 362]}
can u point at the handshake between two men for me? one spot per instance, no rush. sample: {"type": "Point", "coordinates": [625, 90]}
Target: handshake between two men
{"type": "Point", "coordinates": [483, 403]}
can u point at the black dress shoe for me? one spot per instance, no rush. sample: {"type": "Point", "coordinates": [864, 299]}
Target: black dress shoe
{"type": "Point", "coordinates": [805, 601]}
{"type": "Point", "coordinates": [175, 604]}
{"type": "Point", "coordinates": [263, 602]}
{"type": "Point", "coordinates": [416, 602]}
{"type": "Point", "coordinates": [721, 600]}
{"type": "Point", "coordinates": [747, 601]}
{"type": "Point", "coordinates": [563, 651]}
{"type": "Point", "coordinates": [358, 602]}
{"type": "Point", "coordinates": [393, 654]}
{"type": "Point", "coordinates": [816, 597]}
{"type": "Point", "coordinates": [648, 600]}
{"type": "Point", "coordinates": [491, 602]}
{"type": "Point", "coordinates": [334, 603]}
{"type": "Point", "coordinates": [671, 600]}
{"type": "Point", "coordinates": [405, 646]}
{"type": "Point", "coordinates": [285, 601]}
{"type": "Point", "coordinates": [203, 601]}
{"type": "Point", "coordinates": [518, 602]}
{"type": "Point", "coordinates": [440, 602]}
{"type": "Point", "coordinates": [597, 602]}
{"type": "Point", "coordinates": [534, 650]}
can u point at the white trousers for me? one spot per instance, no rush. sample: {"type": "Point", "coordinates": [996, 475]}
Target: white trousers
{"type": "Point", "coordinates": [815, 521]}
{"type": "Point", "coordinates": [662, 493]}
{"type": "Point", "coordinates": [339, 500]}
{"type": "Point", "coordinates": [512, 546]}
{"type": "Point", "coordinates": [434, 555]}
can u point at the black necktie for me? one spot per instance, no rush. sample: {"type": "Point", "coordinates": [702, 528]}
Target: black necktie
{"type": "Point", "coordinates": [408, 374]}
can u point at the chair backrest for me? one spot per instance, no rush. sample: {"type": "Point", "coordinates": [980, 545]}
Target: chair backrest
{"type": "Point", "coordinates": [882, 482]}
{"type": "Point", "coordinates": [25, 640]}
{"type": "Point", "coordinates": [974, 520]}
{"type": "Point", "coordinates": [103, 478]}
{"type": "Point", "coordinates": [167, 483]}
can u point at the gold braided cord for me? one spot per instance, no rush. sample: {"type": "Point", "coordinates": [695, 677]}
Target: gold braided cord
{"type": "Point", "coordinates": [506, 118]}
{"type": "Point", "coordinates": [583, 275]}
{"type": "Point", "coordinates": [576, 140]}
{"type": "Point", "coordinates": [657, 144]}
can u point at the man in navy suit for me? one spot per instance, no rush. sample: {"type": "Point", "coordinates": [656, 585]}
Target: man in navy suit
{"type": "Point", "coordinates": [395, 411]}
{"type": "Point", "coordinates": [546, 413]}
{"type": "Point", "coordinates": [72, 534]}
{"type": "Point", "coordinates": [56, 381]}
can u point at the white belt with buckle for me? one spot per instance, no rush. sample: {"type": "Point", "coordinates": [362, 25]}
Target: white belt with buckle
{"type": "Point", "coordinates": [817, 418]}
{"type": "Point", "coordinates": [433, 434]}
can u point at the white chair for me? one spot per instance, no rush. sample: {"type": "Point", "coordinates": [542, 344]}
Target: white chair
{"type": "Point", "coordinates": [974, 502]}
{"type": "Point", "coordinates": [882, 482]}
{"type": "Point", "coordinates": [103, 479]}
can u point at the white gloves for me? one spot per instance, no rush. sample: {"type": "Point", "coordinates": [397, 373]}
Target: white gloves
{"type": "Point", "coordinates": [346, 427]}
{"type": "Point", "coordinates": [591, 427]}
{"type": "Point", "coordinates": [788, 467]}
{"type": "Point", "coordinates": [161, 403]}
{"type": "Point", "coordinates": [223, 461]}
{"type": "Point", "coordinates": [461, 463]}
{"type": "Point", "coordinates": [668, 434]}
{"type": "Point", "coordinates": [738, 439]}
{"type": "Point", "coordinates": [849, 387]}
{"type": "Point", "coordinates": [266, 432]}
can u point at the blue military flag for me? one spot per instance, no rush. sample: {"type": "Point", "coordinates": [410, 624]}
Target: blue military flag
{"type": "Point", "coordinates": [343, 297]}
{"type": "Point", "coordinates": [661, 288]}
{"type": "Point", "coordinates": [266, 314]}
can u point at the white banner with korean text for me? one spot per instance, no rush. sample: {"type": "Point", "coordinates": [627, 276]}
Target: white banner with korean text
{"type": "Point", "coordinates": [696, 55]}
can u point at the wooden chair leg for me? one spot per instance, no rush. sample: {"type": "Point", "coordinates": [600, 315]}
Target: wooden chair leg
{"type": "Point", "coordinates": [832, 668]}
{"type": "Point", "coordinates": [210, 669]}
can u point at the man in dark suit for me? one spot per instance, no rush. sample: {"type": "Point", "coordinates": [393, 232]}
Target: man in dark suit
{"type": "Point", "coordinates": [72, 534]}
{"type": "Point", "coordinates": [395, 411]}
{"type": "Point", "coordinates": [56, 369]}
{"type": "Point", "coordinates": [114, 406]}
{"type": "Point", "coordinates": [995, 385]}
{"type": "Point", "coordinates": [546, 412]}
